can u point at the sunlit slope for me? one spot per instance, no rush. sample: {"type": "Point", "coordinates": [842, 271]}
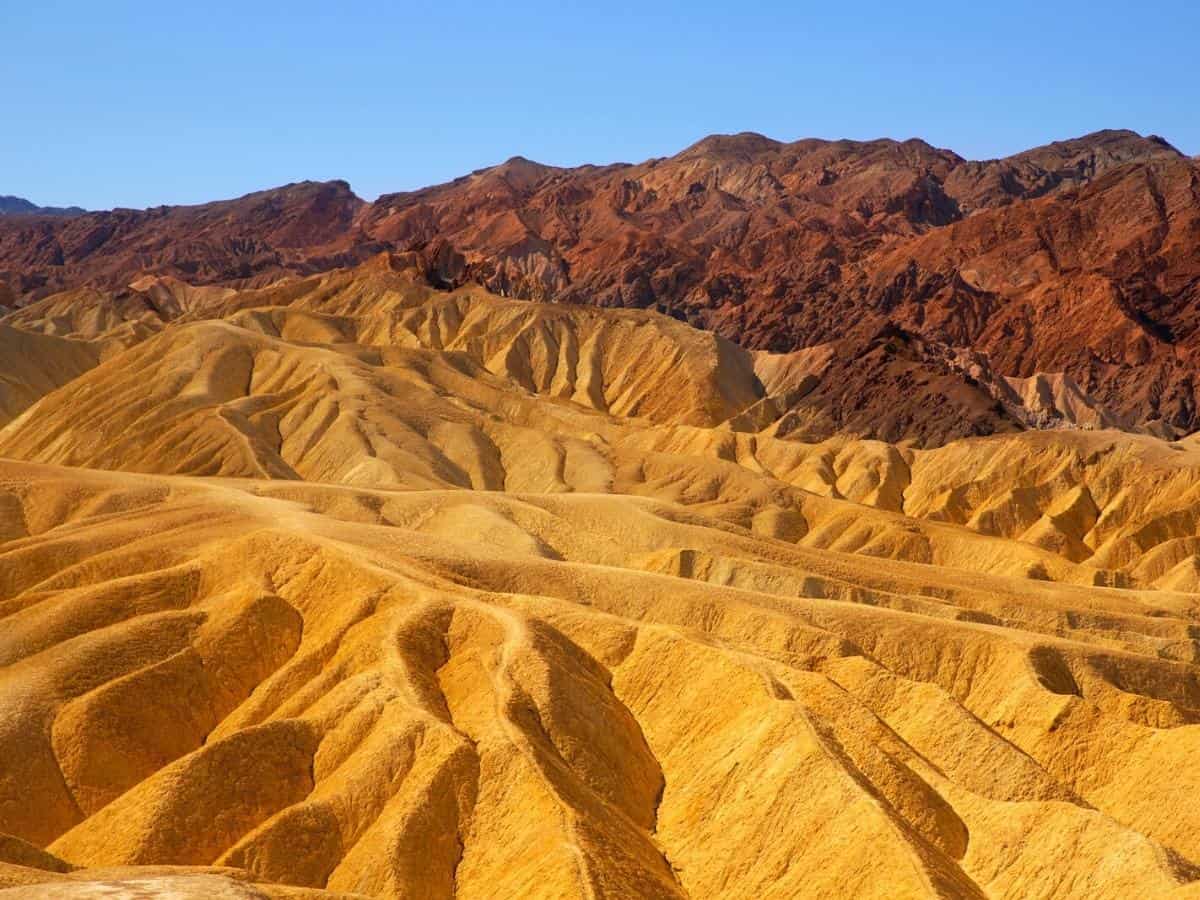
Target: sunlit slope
{"type": "Point", "coordinates": [350, 587]}
{"type": "Point", "coordinates": [36, 364]}
{"type": "Point", "coordinates": [367, 378]}
{"type": "Point", "coordinates": [361, 690]}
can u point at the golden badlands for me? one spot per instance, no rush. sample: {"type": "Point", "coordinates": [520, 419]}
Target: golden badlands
{"type": "Point", "coordinates": [347, 587]}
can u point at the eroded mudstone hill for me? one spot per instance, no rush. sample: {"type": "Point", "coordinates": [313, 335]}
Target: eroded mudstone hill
{"type": "Point", "coordinates": [352, 587]}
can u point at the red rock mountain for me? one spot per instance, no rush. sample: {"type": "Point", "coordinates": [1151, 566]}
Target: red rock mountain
{"type": "Point", "coordinates": [298, 228]}
{"type": "Point", "coordinates": [931, 277]}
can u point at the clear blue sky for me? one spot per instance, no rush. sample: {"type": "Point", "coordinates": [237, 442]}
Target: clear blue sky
{"type": "Point", "coordinates": [135, 104]}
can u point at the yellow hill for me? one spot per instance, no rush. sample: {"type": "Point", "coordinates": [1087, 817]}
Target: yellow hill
{"type": "Point", "coordinates": [346, 587]}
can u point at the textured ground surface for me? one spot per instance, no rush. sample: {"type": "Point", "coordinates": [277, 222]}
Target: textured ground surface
{"type": "Point", "coordinates": [351, 588]}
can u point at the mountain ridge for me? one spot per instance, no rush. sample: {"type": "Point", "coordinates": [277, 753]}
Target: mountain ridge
{"type": "Point", "coordinates": [19, 206]}
{"type": "Point", "coordinates": [1069, 258]}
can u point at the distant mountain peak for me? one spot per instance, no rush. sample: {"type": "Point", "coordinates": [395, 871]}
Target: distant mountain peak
{"type": "Point", "coordinates": [19, 206]}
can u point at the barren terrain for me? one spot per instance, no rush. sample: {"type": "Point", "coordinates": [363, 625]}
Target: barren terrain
{"type": "Point", "coordinates": [351, 586]}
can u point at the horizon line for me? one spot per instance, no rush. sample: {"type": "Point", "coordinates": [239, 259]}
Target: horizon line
{"type": "Point", "coordinates": [599, 165]}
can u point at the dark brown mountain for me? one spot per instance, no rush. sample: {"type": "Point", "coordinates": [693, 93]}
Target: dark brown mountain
{"type": "Point", "coordinates": [731, 219]}
{"type": "Point", "coordinates": [1079, 257]}
{"type": "Point", "coordinates": [302, 227]}
{"type": "Point", "coordinates": [19, 206]}
{"type": "Point", "coordinates": [1102, 283]}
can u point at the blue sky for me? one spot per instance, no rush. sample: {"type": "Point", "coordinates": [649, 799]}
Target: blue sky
{"type": "Point", "coordinates": [137, 104]}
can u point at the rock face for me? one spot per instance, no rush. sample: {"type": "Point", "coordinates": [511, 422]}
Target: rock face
{"type": "Point", "coordinates": [353, 587]}
{"type": "Point", "coordinates": [1076, 260]}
